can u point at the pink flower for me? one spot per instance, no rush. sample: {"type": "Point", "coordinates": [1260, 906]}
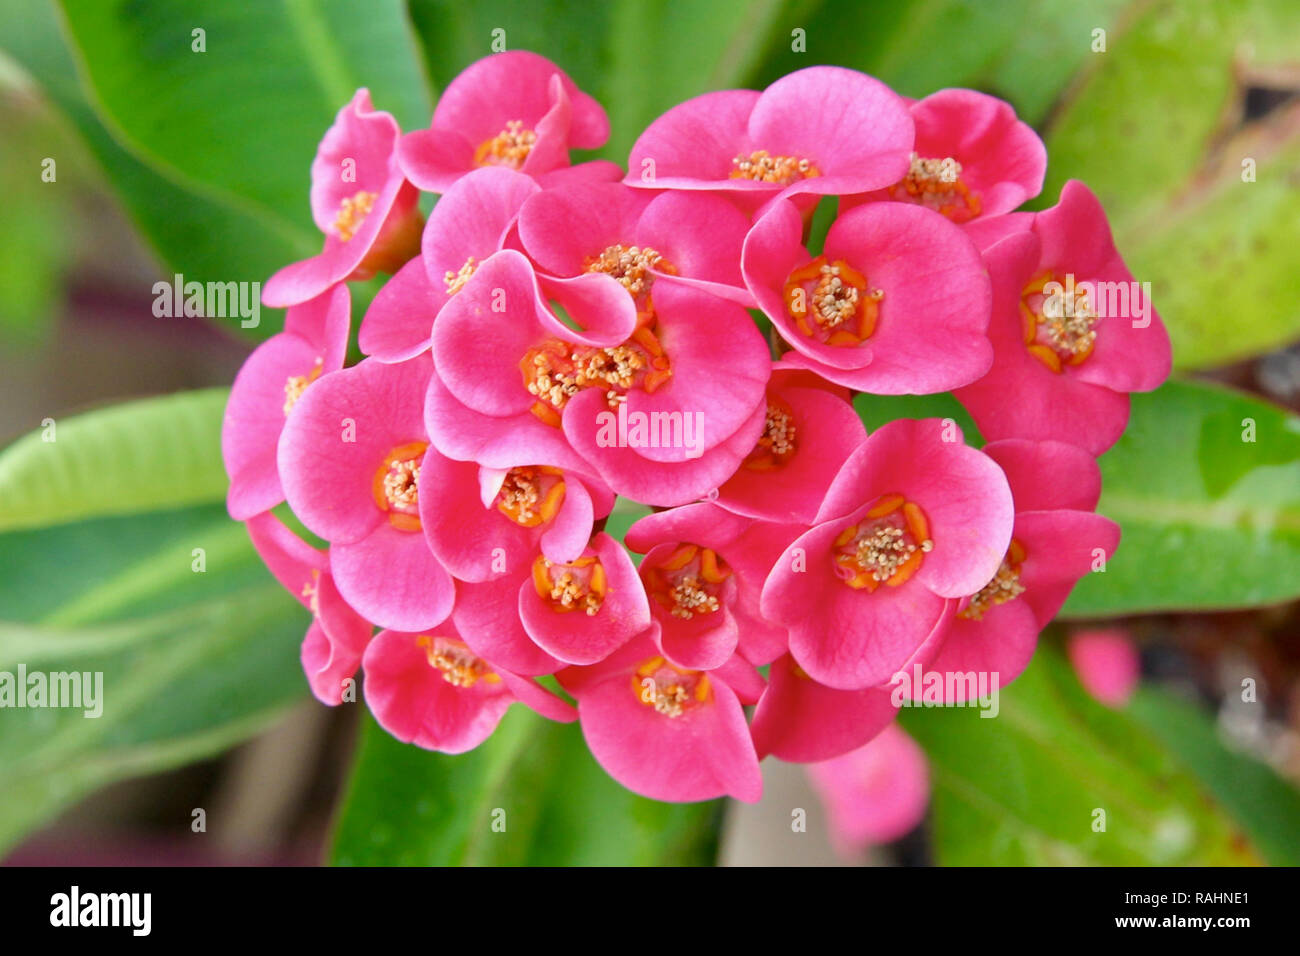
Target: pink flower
{"type": "Point", "coordinates": [1072, 332]}
{"type": "Point", "coordinates": [914, 520]}
{"type": "Point", "coordinates": [801, 721]}
{"type": "Point", "coordinates": [824, 130]}
{"type": "Point", "coordinates": [875, 794]}
{"type": "Point", "coordinates": [549, 613]}
{"type": "Point", "coordinates": [1057, 539]}
{"type": "Point", "coordinates": [665, 732]}
{"type": "Point", "coordinates": [638, 237]}
{"type": "Point", "coordinates": [973, 158]}
{"type": "Point", "coordinates": [704, 570]}
{"type": "Point", "coordinates": [1107, 664]}
{"type": "Point", "coordinates": [663, 412]}
{"type": "Point", "coordinates": [433, 691]}
{"type": "Point", "coordinates": [469, 224]}
{"type": "Point", "coordinates": [313, 343]}
{"type": "Point", "coordinates": [513, 109]}
{"type": "Point", "coordinates": [898, 302]}
{"type": "Point", "coordinates": [809, 429]}
{"type": "Point", "coordinates": [360, 201]}
{"type": "Point", "coordinates": [350, 459]}
{"type": "Point", "coordinates": [483, 523]}
{"type": "Point", "coordinates": [338, 635]}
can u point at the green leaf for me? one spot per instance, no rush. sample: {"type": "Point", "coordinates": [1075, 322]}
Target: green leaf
{"type": "Point", "coordinates": [196, 235]}
{"type": "Point", "coordinates": [409, 807]}
{"type": "Point", "coordinates": [1157, 130]}
{"type": "Point", "coordinates": [1266, 806]}
{"type": "Point", "coordinates": [196, 655]}
{"type": "Point", "coordinates": [138, 456]}
{"type": "Point", "coordinates": [1023, 789]}
{"type": "Point", "coordinates": [1205, 484]}
{"type": "Point", "coordinates": [240, 118]}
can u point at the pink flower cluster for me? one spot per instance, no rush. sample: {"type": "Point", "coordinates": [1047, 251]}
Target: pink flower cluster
{"type": "Point", "coordinates": [556, 335]}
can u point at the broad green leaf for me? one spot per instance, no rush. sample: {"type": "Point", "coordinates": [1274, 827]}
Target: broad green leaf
{"type": "Point", "coordinates": [1157, 129]}
{"type": "Point", "coordinates": [1265, 805]}
{"type": "Point", "coordinates": [409, 807]}
{"type": "Point", "coordinates": [1205, 484]}
{"type": "Point", "coordinates": [1024, 788]}
{"type": "Point", "coordinates": [197, 644]}
{"type": "Point", "coordinates": [240, 118]}
{"type": "Point", "coordinates": [138, 456]}
{"type": "Point", "coordinates": [199, 236]}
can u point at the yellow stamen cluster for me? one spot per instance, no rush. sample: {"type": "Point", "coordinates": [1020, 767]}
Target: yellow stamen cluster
{"type": "Point", "coordinates": [455, 281]}
{"type": "Point", "coordinates": [833, 301]}
{"type": "Point", "coordinates": [294, 386]}
{"type": "Point", "coordinates": [887, 547]}
{"type": "Point", "coordinates": [779, 431]}
{"type": "Point", "coordinates": [1059, 329]}
{"type": "Point", "coordinates": [400, 484]}
{"type": "Point", "coordinates": [884, 550]}
{"type": "Point", "coordinates": [520, 495]}
{"type": "Point", "coordinates": [630, 265]}
{"type": "Point", "coordinates": [459, 666]}
{"type": "Point", "coordinates": [1068, 322]}
{"type": "Point", "coordinates": [762, 166]}
{"type": "Point", "coordinates": [1004, 587]}
{"type": "Point", "coordinates": [510, 147]}
{"type": "Point", "coordinates": [352, 213]}
{"type": "Point", "coordinates": [689, 599]}
{"type": "Point", "coordinates": [671, 691]}
{"type": "Point", "coordinates": [936, 183]}
{"type": "Point", "coordinates": [572, 587]}
{"type": "Point", "coordinates": [613, 367]}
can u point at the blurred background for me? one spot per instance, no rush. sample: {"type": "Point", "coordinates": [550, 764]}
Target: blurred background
{"type": "Point", "coordinates": [176, 151]}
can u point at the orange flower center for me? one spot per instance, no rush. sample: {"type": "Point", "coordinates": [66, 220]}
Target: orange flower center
{"type": "Point", "coordinates": [458, 664]}
{"type": "Point", "coordinates": [670, 690]}
{"type": "Point", "coordinates": [632, 266]}
{"type": "Point", "coordinates": [510, 147]}
{"type": "Point", "coordinates": [352, 213]}
{"type": "Point", "coordinates": [886, 547]}
{"type": "Point", "coordinates": [1059, 323]}
{"type": "Point", "coordinates": [1005, 585]}
{"type": "Point", "coordinates": [762, 166]}
{"type": "Point", "coordinates": [569, 587]}
{"type": "Point", "coordinates": [395, 485]}
{"type": "Point", "coordinates": [555, 371]}
{"type": "Point", "coordinates": [832, 303]}
{"type": "Point", "coordinates": [936, 184]}
{"type": "Point", "coordinates": [530, 496]}
{"type": "Point", "coordinates": [776, 445]}
{"type": "Point", "coordinates": [687, 583]}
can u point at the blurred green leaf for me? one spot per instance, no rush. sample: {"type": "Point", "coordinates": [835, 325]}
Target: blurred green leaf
{"type": "Point", "coordinates": [1157, 128]}
{"type": "Point", "coordinates": [241, 117]}
{"type": "Point", "coordinates": [196, 235]}
{"type": "Point", "coordinates": [1022, 789]}
{"type": "Point", "coordinates": [195, 656]}
{"type": "Point", "coordinates": [1025, 51]}
{"type": "Point", "coordinates": [409, 807]}
{"type": "Point", "coordinates": [1210, 518]}
{"type": "Point", "coordinates": [137, 456]}
{"type": "Point", "coordinates": [1266, 806]}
